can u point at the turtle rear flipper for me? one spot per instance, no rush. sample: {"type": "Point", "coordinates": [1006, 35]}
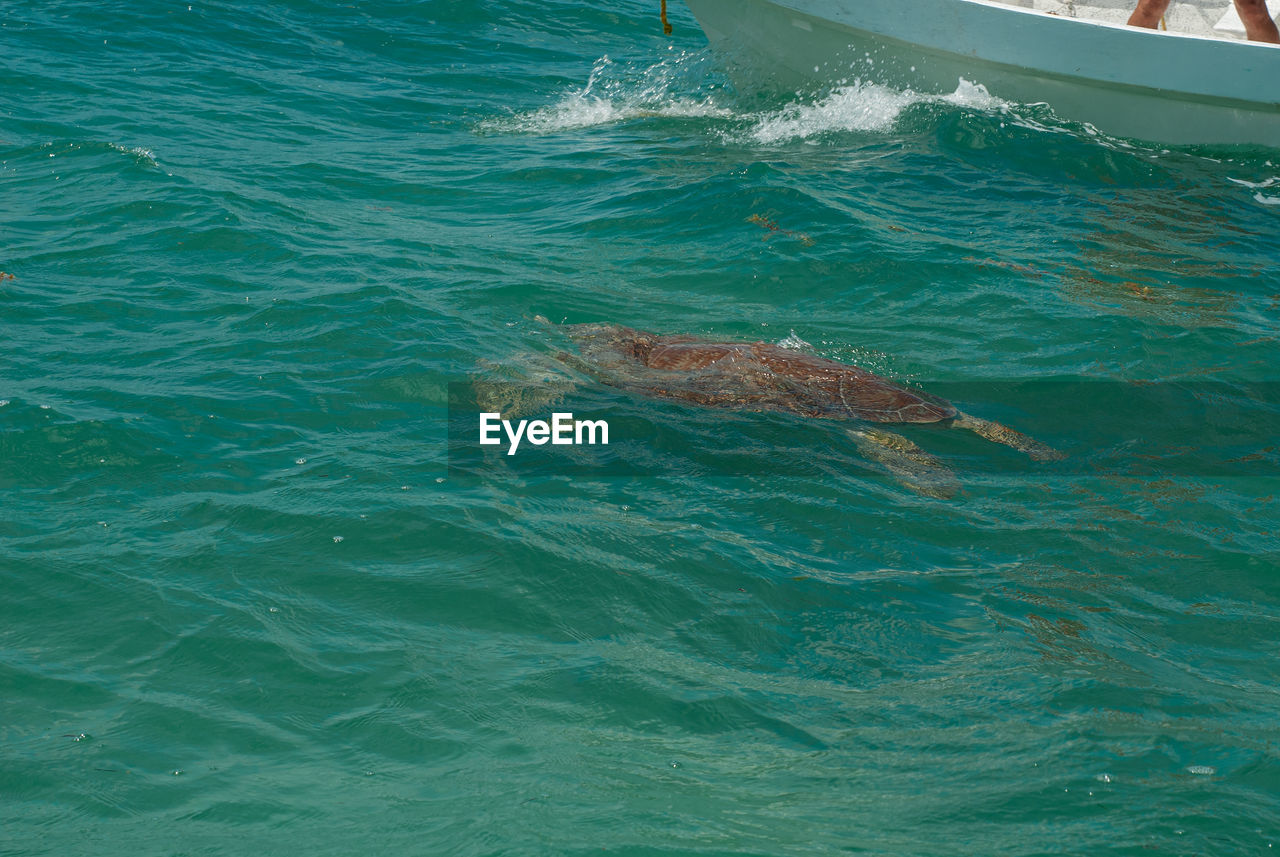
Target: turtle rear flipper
{"type": "Point", "coordinates": [997, 433]}
{"type": "Point", "coordinates": [908, 463]}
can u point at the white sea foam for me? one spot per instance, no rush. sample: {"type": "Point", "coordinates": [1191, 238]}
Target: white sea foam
{"type": "Point", "coordinates": [1260, 197]}
{"type": "Point", "coordinates": [144, 156]}
{"type": "Point", "coordinates": [681, 87]}
{"type": "Point", "coordinates": [860, 106]}
{"type": "Point", "coordinates": [1271, 182]}
{"type": "Point", "coordinates": [615, 92]}
{"type": "Point", "coordinates": [856, 107]}
{"type": "Point", "coordinates": [975, 95]}
{"type": "Point", "coordinates": [794, 343]}
{"type": "Point", "coordinates": [582, 110]}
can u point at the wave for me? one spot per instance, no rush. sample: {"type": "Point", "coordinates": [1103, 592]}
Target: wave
{"type": "Point", "coordinates": [689, 86]}
{"type": "Point", "coordinates": [614, 93]}
{"type": "Point", "coordinates": [859, 106]}
{"type": "Point", "coordinates": [686, 86]}
{"type": "Point", "coordinates": [1271, 186]}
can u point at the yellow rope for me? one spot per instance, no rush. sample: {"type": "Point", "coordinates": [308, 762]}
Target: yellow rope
{"type": "Point", "coordinates": [666, 25]}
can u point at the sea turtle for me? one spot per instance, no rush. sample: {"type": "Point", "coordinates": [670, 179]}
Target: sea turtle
{"type": "Point", "coordinates": [760, 376]}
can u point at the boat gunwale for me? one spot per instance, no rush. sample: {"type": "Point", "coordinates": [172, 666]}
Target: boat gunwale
{"type": "Point", "coordinates": [1111, 25]}
{"type": "Point", "coordinates": [1076, 80]}
{"type": "Point", "coordinates": [1163, 66]}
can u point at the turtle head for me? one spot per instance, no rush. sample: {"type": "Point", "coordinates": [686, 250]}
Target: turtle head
{"type": "Point", "coordinates": [626, 342]}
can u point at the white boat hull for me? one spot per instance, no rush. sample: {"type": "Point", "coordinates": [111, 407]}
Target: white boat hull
{"type": "Point", "coordinates": [1122, 80]}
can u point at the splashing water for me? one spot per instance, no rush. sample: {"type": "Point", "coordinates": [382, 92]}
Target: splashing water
{"type": "Point", "coordinates": [861, 106]}
{"type": "Point", "coordinates": [1260, 197]}
{"type": "Point", "coordinates": [143, 155]}
{"type": "Point", "coordinates": [793, 342]}
{"type": "Point", "coordinates": [857, 107]}
{"type": "Point", "coordinates": [684, 86]}
{"type": "Point", "coordinates": [615, 93]}
{"type": "Point", "coordinates": [688, 85]}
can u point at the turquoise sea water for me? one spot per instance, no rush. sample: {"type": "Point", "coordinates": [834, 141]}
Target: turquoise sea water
{"type": "Point", "coordinates": [247, 607]}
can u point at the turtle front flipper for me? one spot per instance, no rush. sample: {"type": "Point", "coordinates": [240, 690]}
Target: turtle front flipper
{"type": "Point", "coordinates": [521, 387]}
{"type": "Point", "coordinates": [908, 463]}
{"type": "Point", "coordinates": [998, 433]}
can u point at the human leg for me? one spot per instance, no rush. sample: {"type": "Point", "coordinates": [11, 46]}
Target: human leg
{"type": "Point", "coordinates": [1149, 12]}
{"type": "Point", "coordinates": [1258, 25]}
